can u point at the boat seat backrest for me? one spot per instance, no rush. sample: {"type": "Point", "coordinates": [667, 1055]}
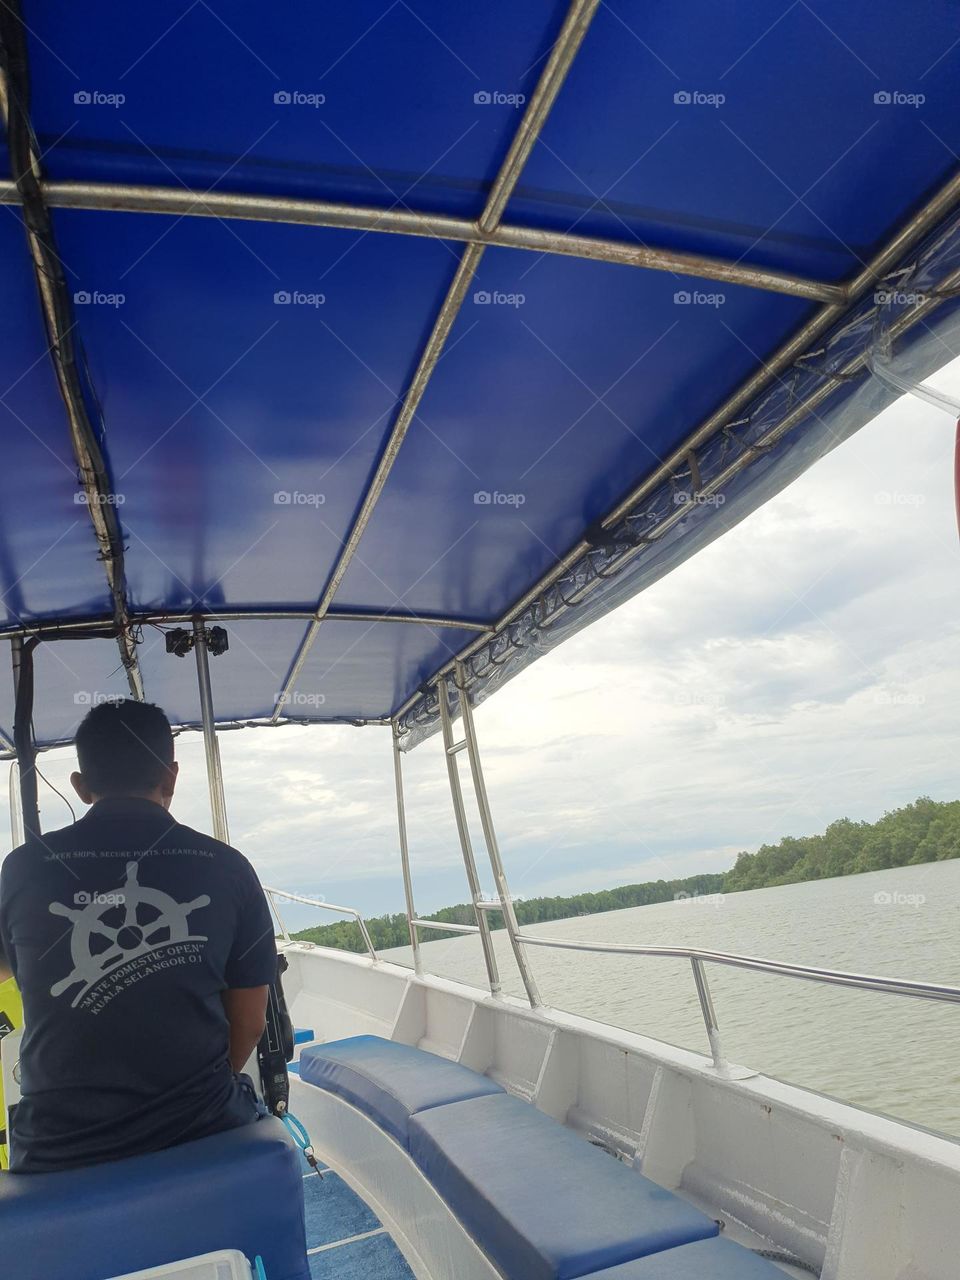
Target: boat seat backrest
{"type": "Point", "coordinates": [390, 1082]}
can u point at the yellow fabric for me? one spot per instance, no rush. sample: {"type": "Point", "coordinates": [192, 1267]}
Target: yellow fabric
{"type": "Point", "coordinates": [11, 1018]}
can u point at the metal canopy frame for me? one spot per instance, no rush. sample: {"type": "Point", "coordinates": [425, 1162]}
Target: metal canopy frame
{"type": "Point", "coordinates": [57, 307]}
{"type": "Point", "coordinates": [841, 298]}
{"type": "Point", "coordinates": [37, 196]}
{"type": "Point", "coordinates": [117, 197]}
{"type": "Point", "coordinates": [482, 925]}
{"type": "Point", "coordinates": [8, 749]}
{"type": "Point", "coordinates": [576, 23]}
{"type": "Point", "coordinates": [504, 901]}
{"type": "Point", "coordinates": [218, 804]}
{"type": "Point", "coordinates": [104, 626]}
{"type": "Point", "coordinates": [922, 224]}
{"type": "Point", "coordinates": [24, 746]}
{"type": "Point", "coordinates": [488, 229]}
{"type": "Point", "coordinates": [405, 854]}
{"type": "Point", "coordinates": [482, 906]}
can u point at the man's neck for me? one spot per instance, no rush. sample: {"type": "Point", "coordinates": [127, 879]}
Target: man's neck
{"type": "Point", "coordinates": [134, 797]}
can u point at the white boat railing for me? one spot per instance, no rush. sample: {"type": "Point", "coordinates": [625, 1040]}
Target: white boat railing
{"type": "Point", "coordinates": [700, 958]}
{"type": "Point", "coordinates": [273, 894]}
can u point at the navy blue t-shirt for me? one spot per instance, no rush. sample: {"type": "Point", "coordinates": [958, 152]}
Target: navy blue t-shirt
{"type": "Point", "coordinates": [122, 931]}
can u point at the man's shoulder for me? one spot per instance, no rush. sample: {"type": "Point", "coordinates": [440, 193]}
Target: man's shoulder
{"type": "Point", "coordinates": [227, 856]}
{"type": "Point", "coordinates": [34, 847]}
{"type": "Point", "coordinates": [14, 862]}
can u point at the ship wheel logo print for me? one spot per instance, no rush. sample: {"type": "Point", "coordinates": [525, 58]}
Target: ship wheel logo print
{"type": "Point", "coordinates": [112, 929]}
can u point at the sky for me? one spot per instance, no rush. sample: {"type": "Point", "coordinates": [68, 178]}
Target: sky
{"type": "Point", "coordinates": [802, 668]}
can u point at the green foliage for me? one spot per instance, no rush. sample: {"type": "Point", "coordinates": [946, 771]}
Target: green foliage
{"type": "Point", "coordinates": [391, 931]}
{"type": "Point", "coordinates": [925, 831]}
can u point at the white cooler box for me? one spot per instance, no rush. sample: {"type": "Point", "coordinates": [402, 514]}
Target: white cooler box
{"type": "Point", "coordinates": [227, 1264]}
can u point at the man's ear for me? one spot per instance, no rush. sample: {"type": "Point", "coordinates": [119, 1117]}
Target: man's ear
{"type": "Point", "coordinates": [168, 783]}
{"type": "Point", "coordinates": [81, 788]}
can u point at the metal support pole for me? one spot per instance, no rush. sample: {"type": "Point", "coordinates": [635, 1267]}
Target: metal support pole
{"type": "Point", "coordinates": [473, 879]}
{"type": "Point", "coordinates": [405, 856]}
{"type": "Point", "coordinates": [17, 834]}
{"type": "Point", "coordinates": [493, 846]}
{"type": "Point", "coordinates": [709, 1014]}
{"type": "Point", "coordinates": [218, 805]}
{"type": "Point", "coordinates": [22, 653]}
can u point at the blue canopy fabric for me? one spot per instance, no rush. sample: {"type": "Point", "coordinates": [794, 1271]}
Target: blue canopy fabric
{"type": "Point", "coordinates": [246, 377]}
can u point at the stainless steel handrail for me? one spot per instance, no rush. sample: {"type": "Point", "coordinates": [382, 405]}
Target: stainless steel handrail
{"type": "Point", "coordinates": [836, 977]}
{"type": "Point", "coordinates": [443, 927]}
{"type": "Point", "coordinates": [699, 958]}
{"type": "Point", "coordinates": [273, 894]}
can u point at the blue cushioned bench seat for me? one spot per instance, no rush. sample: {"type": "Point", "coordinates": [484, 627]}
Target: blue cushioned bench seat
{"type": "Point", "coordinates": [540, 1201]}
{"type": "Point", "coordinates": [544, 1204]}
{"type": "Point", "coordinates": [706, 1260]}
{"type": "Point", "coordinates": [242, 1189]}
{"type": "Point", "coordinates": [390, 1082]}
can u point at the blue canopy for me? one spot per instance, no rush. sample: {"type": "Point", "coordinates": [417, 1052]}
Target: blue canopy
{"type": "Point", "coordinates": [392, 334]}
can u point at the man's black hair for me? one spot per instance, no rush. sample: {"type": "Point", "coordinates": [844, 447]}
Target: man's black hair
{"type": "Point", "coordinates": [124, 747]}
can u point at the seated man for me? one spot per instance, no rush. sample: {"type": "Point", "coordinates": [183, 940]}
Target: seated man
{"type": "Point", "coordinates": [143, 951]}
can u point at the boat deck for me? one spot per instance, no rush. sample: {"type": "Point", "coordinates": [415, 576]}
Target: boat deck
{"type": "Point", "coordinates": [345, 1238]}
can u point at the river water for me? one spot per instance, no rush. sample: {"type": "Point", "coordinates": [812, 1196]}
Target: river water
{"type": "Point", "coordinates": [892, 1054]}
